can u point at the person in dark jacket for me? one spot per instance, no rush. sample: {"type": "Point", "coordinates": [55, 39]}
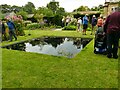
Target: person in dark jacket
{"type": "Point", "coordinates": [112, 29]}
{"type": "Point", "coordinates": [3, 30]}
{"type": "Point", "coordinates": [11, 27]}
{"type": "Point", "coordinates": [93, 23]}
{"type": "Point", "coordinates": [2, 27]}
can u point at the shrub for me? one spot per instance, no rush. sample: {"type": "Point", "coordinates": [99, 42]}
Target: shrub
{"type": "Point", "coordinates": [19, 29]}
{"type": "Point", "coordinates": [70, 27]}
{"type": "Point", "coordinates": [18, 20]}
{"type": "Point", "coordinates": [58, 26]}
{"type": "Point", "coordinates": [33, 26]}
{"type": "Point", "coordinates": [27, 22]}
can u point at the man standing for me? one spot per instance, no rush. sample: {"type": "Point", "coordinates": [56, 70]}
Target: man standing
{"type": "Point", "coordinates": [11, 27]}
{"type": "Point", "coordinates": [93, 23]}
{"type": "Point", "coordinates": [112, 28]}
{"type": "Point", "coordinates": [85, 24]}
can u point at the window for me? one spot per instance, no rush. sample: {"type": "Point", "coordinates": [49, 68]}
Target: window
{"type": "Point", "coordinates": [114, 9]}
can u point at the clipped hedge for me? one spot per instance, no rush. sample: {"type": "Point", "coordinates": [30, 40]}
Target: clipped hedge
{"type": "Point", "coordinates": [33, 26]}
{"type": "Point", "coordinates": [70, 27]}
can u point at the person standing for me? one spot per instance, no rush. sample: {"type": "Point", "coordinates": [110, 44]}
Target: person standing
{"type": "Point", "coordinates": [0, 30]}
{"type": "Point", "coordinates": [2, 27]}
{"type": "Point", "coordinates": [11, 27]}
{"type": "Point", "coordinates": [112, 29]}
{"type": "Point", "coordinates": [68, 19]}
{"type": "Point", "coordinates": [100, 21]}
{"type": "Point", "coordinates": [79, 23]}
{"type": "Point", "coordinates": [94, 22]}
{"type": "Point", "coordinates": [63, 21]}
{"type": "Point", "coordinates": [85, 24]}
{"type": "Point", "coordinates": [3, 30]}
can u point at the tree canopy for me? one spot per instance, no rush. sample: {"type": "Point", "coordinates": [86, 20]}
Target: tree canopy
{"type": "Point", "coordinates": [29, 8]}
{"type": "Point", "coordinates": [53, 6]}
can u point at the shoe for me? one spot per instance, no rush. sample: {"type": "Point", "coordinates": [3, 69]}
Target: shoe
{"type": "Point", "coordinates": [109, 56]}
{"type": "Point", "coordinates": [115, 57]}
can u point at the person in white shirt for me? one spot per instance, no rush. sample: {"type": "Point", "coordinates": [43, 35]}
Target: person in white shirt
{"type": "Point", "coordinates": [79, 23]}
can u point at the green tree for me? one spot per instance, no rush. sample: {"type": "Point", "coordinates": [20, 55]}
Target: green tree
{"type": "Point", "coordinates": [95, 8]}
{"type": "Point", "coordinates": [45, 11]}
{"type": "Point", "coordinates": [8, 8]}
{"type": "Point", "coordinates": [5, 8]}
{"type": "Point", "coordinates": [61, 11]}
{"type": "Point", "coordinates": [53, 6]}
{"type": "Point", "coordinates": [119, 3]}
{"type": "Point", "coordinates": [16, 8]}
{"type": "Point", "coordinates": [23, 14]}
{"type": "Point", "coordinates": [29, 8]}
{"type": "Point", "coordinates": [82, 8]}
{"type": "Point", "coordinates": [1, 15]}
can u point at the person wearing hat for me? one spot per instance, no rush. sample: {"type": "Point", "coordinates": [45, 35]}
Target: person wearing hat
{"type": "Point", "coordinates": [93, 23]}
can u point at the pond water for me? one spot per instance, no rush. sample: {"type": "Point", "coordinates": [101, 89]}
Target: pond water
{"type": "Point", "coordinates": [57, 46]}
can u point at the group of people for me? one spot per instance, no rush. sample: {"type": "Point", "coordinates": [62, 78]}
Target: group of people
{"type": "Point", "coordinates": [94, 22]}
{"type": "Point", "coordinates": [66, 20]}
{"type": "Point", "coordinates": [110, 26]}
{"type": "Point", "coordinates": [11, 27]}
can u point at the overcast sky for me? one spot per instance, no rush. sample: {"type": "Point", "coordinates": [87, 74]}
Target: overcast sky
{"type": "Point", "coordinates": [69, 5]}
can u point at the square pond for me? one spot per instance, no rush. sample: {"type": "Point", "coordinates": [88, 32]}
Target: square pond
{"type": "Point", "coordinates": [57, 46]}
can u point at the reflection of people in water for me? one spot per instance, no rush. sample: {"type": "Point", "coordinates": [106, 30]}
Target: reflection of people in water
{"type": "Point", "coordinates": [20, 46]}
{"type": "Point", "coordinates": [78, 43]}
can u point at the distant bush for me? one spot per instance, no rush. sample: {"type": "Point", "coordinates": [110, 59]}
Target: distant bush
{"type": "Point", "coordinates": [27, 22]}
{"type": "Point", "coordinates": [58, 26]}
{"type": "Point", "coordinates": [70, 27]}
{"type": "Point", "coordinates": [33, 26]}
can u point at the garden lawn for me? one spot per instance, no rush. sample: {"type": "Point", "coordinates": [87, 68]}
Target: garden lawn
{"type": "Point", "coordinates": [31, 70]}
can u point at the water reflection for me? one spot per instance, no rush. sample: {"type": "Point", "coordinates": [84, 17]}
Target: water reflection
{"type": "Point", "coordinates": [58, 46]}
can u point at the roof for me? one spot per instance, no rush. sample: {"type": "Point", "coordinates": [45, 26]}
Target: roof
{"type": "Point", "coordinates": [30, 15]}
{"type": "Point", "coordinates": [86, 12]}
{"type": "Point", "coordinates": [9, 14]}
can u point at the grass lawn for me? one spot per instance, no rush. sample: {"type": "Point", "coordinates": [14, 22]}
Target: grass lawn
{"type": "Point", "coordinates": [31, 70]}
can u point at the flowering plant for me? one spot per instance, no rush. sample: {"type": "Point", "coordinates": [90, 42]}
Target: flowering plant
{"type": "Point", "coordinates": [18, 21]}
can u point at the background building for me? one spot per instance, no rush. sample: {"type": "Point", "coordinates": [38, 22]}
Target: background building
{"type": "Point", "coordinates": [110, 6]}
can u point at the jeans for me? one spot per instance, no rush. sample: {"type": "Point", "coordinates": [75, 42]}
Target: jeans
{"type": "Point", "coordinates": [12, 33]}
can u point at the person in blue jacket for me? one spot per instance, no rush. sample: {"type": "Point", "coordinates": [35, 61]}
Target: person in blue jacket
{"type": "Point", "coordinates": [85, 24]}
{"type": "Point", "coordinates": [11, 27]}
